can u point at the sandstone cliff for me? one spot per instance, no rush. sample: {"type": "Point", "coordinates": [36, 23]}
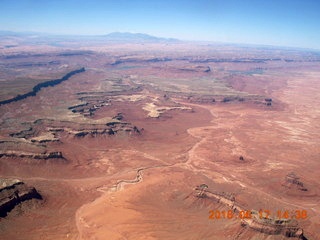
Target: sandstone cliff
{"type": "Point", "coordinates": [14, 192]}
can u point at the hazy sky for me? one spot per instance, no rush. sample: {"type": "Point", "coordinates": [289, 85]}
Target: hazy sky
{"type": "Point", "coordinates": [272, 22]}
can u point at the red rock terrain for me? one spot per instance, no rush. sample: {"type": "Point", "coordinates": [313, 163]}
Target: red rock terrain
{"type": "Point", "coordinates": [133, 136]}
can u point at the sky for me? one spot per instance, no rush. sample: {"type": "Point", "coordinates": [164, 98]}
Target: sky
{"type": "Point", "coordinates": [292, 23]}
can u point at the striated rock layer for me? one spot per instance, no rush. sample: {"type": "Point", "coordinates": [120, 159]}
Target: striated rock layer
{"type": "Point", "coordinates": [13, 193]}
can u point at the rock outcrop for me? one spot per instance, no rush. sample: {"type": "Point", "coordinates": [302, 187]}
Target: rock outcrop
{"type": "Point", "coordinates": [196, 68]}
{"type": "Point", "coordinates": [256, 220]}
{"type": "Point", "coordinates": [14, 192]}
{"type": "Point", "coordinates": [43, 156]}
{"type": "Point", "coordinates": [87, 109]}
{"type": "Point", "coordinates": [292, 181]}
{"type": "Point", "coordinates": [110, 128]}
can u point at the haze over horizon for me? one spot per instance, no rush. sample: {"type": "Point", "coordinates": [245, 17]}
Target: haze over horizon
{"type": "Point", "coordinates": [279, 23]}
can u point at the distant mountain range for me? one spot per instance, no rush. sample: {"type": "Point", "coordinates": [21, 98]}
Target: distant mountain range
{"type": "Point", "coordinates": [124, 36]}
{"type": "Point", "coordinates": [11, 38]}
{"type": "Point", "coordinates": [111, 37]}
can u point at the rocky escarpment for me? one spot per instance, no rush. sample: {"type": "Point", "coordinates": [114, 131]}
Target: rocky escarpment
{"type": "Point", "coordinates": [47, 130]}
{"type": "Point", "coordinates": [110, 128]}
{"type": "Point", "coordinates": [216, 99]}
{"type": "Point", "coordinates": [253, 219]}
{"type": "Point", "coordinates": [87, 109]}
{"type": "Point", "coordinates": [40, 140]}
{"type": "Point", "coordinates": [137, 59]}
{"type": "Point", "coordinates": [24, 148]}
{"type": "Point", "coordinates": [36, 136]}
{"type": "Point", "coordinates": [26, 133]}
{"type": "Point", "coordinates": [40, 156]}
{"type": "Point", "coordinates": [225, 99]}
{"type": "Point", "coordinates": [14, 192]}
{"type": "Point", "coordinates": [193, 68]}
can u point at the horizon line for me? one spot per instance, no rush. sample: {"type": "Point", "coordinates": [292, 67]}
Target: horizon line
{"type": "Point", "coordinates": [159, 37]}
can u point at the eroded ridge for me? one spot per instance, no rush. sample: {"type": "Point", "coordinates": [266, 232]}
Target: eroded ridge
{"type": "Point", "coordinates": [14, 192]}
{"type": "Point", "coordinates": [254, 219]}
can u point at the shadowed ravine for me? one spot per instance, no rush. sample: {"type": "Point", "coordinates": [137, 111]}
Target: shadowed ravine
{"type": "Point", "coordinates": [39, 86]}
